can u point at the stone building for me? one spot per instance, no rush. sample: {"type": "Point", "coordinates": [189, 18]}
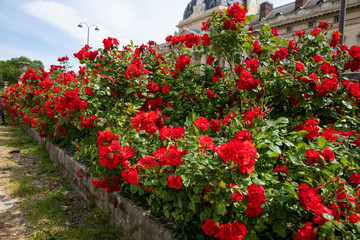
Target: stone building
{"type": "Point", "coordinates": [198, 11]}
{"type": "Point", "coordinates": [288, 18]}
{"type": "Point", "coordinates": [306, 14]}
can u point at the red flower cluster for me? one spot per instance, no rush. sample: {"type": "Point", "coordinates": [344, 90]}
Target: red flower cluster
{"type": "Point", "coordinates": [87, 122]}
{"type": "Point", "coordinates": [353, 88]}
{"type": "Point", "coordinates": [335, 39]}
{"type": "Point", "coordinates": [257, 49]}
{"type": "Point", "coordinates": [63, 59]}
{"type": "Point", "coordinates": [72, 101]}
{"type": "Point", "coordinates": [314, 156]}
{"type": "Point", "coordinates": [324, 25]}
{"type": "Point", "coordinates": [253, 64]}
{"type": "Point", "coordinates": [181, 62]}
{"type": "Point", "coordinates": [191, 40]}
{"type": "Point", "coordinates": [110, 42]}
{"type": "Point", "coordinates": [250, 115]}
{"type": "Point", "coordinates": [311, 126]}
{"type": "Point", "coordinates": [206, 143]}
{"type": "Point", "coordinates": [236, 195]}
{"type": "Point", "coordinates": [280, 54]}
{"type": "Point", "coordinates": [282, 171]}
{"type": "Point", "coordinates": [306, 232]}
{"type": "Point", "coordinates": [328, 85]}
{"type": "Point", "coordinates": [175, 133]}
{"type": "Point", "coordinates": [255, 197]}
{"type": "Point", "coordinates": [354, 64]}
{"type": "Point", "coordinates": [171, 156]}
{"type": "Point", "coordinates": [147, 120]}
{"type": "Point", "coordinates": [174, 182]}
{"type": "Point", "coordinates": [230, 24]}
{"type": "Point", "coordinates": [111, 152]}
{"type": "Point", "coordinates": [237, 12]}
{"type": "Point", "coordinates": [247, 81]}
{"type": "Point", "coordinates": [201, 123]}
{"type": "Point", "coordinates": [240, 150]}
{"type": "Point", "coordinates": [234, 231]}
{"type": "Point", "coordinates": [84, 53]}
{"type": "Point", "coordinates": [135, 69]}
{"type": "Point", "coordinates": [105, 184]}
{"type": "Point", "coordinates": [218, 74]}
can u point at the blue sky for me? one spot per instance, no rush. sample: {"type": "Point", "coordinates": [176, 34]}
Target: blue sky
{"type": "Point", "coordinates": [47, 29]}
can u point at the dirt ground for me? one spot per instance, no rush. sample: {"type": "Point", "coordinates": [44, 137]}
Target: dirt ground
{"type": "Point", "coordinates": [36, 201]}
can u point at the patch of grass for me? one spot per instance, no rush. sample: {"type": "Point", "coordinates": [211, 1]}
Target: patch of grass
{"type": "Point", "coordinates": [49, 204]}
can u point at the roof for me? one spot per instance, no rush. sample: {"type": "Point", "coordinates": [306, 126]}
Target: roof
{"type": "Point", "coordinates": [288, 8]}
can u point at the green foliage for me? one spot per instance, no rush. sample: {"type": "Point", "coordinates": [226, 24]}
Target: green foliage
{"type": "Point", "coordinates": [10, 70]}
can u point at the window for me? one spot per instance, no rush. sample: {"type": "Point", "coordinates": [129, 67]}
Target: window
{"type": "Point", "coordinates": [336, 19]}
{"type": "Point", "coordinates": [312, 24]}
{"type": "Point", "coordinates": [289, 29]}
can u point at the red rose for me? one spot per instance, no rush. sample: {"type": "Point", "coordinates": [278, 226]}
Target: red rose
{"type": "Point", "coordinates": [315, 32]}
{"type": "Point", "coordinates": [236, 195]}
{"type": "Point", "coordinates": [353, 218]}
{"type": "Point", "coordinates": [317, 58]}
{"type": "Point", "coordinates": [335, 39]}
{"type": "Point", "coordinates": [328, 154]}
{"type": "Point", "coordinates": [256, 194]}
{"type": "Point", "coordinates": [210, 227]}
{"type": "Point", "coordinates": [253, 210]}
{"type": "Point", "coordinates": [354, 180]}
{"type": "Point", "coordinates": [165, 89]}
{"type": "Point", "coordinates": [153, 87]}
{"type": "Point", "coordinates": [201, 123]}
{"type": "Point", "coordinates": [306, 232]}
{"type": "Point", "coordinates": [299, 66]}
{"type": "Point", "coordinates": [215, 125]}
{"type": "Point", "coordinates": [174, 182]}
{"type": "Point", "coordinates": [147, 162]}
{"type": "Point", "coordinates": [177, 132]}
{"type": "Point", "coordinates": [224, 232]}
{"type": "Point", "coordinates": [210, 60]}
{"type": "Point", "coordinates": [309, 199]}
{"type": "Point", "coordinates": [274, 32]}
{"type": "Point", "coordinates": [238, 231]}
{"type": "Point", "coordinates": [210, 94]}
{"type": "Point", "coordinates": [165, 132]}
{"type": "Point", "coordinates": [253, 64]}
{"type": "Point", "coordinates": [130, 175]}
{"type": "Point", "coordinates": [206, 143]}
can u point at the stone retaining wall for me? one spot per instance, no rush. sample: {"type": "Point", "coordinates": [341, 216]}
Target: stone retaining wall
{"type": "Point", "coordinates": [135, 222]}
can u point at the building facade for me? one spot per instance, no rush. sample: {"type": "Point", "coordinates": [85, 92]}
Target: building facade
{"type": "Point", "coordinates": [288, 18]}
{"type": "Point", "coordinates": [306, 14]}
{"type": "Point", "coordinates": [199, 11]}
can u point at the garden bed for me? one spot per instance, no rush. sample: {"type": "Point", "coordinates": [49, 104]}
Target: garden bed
{"type": "Point", "coordinates": [135, 221]}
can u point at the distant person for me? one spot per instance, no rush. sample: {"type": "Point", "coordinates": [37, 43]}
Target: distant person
{"type": "Point", "coordinates": [1, 111]}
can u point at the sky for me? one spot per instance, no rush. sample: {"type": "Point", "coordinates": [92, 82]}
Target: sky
{"type": "Point", "coordinates": [48, 29]}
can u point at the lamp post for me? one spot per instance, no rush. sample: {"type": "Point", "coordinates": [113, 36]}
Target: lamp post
{"type": "Point", "coordinates": [88, 29]}
{"type": "Point", "coordinates": [342, 21]}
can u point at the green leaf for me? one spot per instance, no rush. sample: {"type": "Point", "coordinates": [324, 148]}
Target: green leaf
{"type": "Point", "coordinates": [192, 206]}
{"type": "Point", "coordinates": [322, 142]}
{"type": "Point", "coordinates": [221, 208]}
{"type": "Point", "coordinates": [133, 188]}
{"type": "Point", "coordinates": [279, 229]}
{"type": "Point", "coordinates": [196, 199]}
{"type": "Point", "coordinates": [275, 148]}
{"type": "Point", "coordinates": [258, 182]}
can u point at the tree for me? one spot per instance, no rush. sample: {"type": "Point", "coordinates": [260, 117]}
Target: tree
{"type": "Point", "coordinates": [10, 70]}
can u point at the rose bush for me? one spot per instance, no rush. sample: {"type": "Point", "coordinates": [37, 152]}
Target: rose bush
{"type": "Point", "coordinates": [261, 141]}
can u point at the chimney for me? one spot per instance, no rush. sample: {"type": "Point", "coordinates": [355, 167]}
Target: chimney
{"type": "Point", "coordinates": [265, 9]}
{"type": "Point", "coordinates": [299, 4]}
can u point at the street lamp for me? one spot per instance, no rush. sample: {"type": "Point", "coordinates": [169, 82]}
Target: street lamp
{"type": "Point", "coordinates": [88, 29]}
